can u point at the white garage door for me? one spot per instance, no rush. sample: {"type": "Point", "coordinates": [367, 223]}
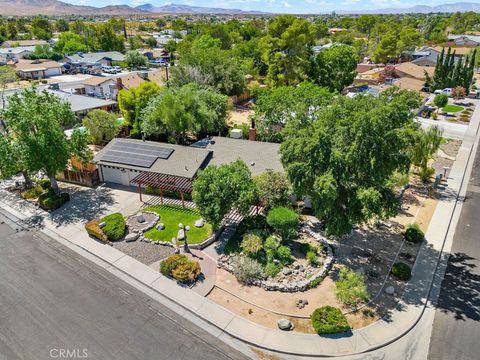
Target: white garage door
{"type": "Point", "coordinates": [115, 175]}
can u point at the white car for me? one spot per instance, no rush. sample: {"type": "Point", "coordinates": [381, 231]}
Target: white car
{"type": "Point", "coordinates": [447, 91]}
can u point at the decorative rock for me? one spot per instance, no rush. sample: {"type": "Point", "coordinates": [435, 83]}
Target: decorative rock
{"type": "Point", "coordinates": [199, 223]}
{"type": "Point", "coordinates": [181, 234]}
{"type": "Point", "coordinates": [140, 218]}
{"type": "Point", "coordinates": [102, 225]}
{"type": "Point", "coordinates": [284, 324]}
{"type": "Point", "coordinates": [131, 237]}
{"type": "Point", "coordinates": [286, 271]}
{"type": "Point", "coordinates": [161, 226]}
{"type": "Point", "coordinates": [390, 290]}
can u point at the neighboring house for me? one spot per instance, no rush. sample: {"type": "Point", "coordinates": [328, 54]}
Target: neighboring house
{"type": "Point", "coordinates": [81, 104]}
{"type": "Point", "coordinates": [411, 70]}
{"type": "Point", "coordinates": [133, 80]}
{"type": "Point", "coordinates": [174, 167]}
{"type": "Point", "coordinates": [102, 87]}
{"type": "Point", "coordinates": [154, 54]}
{"type": "Point", "coordinates": [465, 40]}
{"type": "Point", "coordinates": [427, 56]}
{"type": "Point", "coordinates": [98, 58]}
{"type": "Point", "coordinates": [16, 43]}
{"type": "Point", "coordinates": [16, 53]}
{"type": "Point", "coordinates": [371, 76]}
{"type": "Point", "coordinates": [37, 69]}
{"type": "Point", "coordinates": [364, 67]}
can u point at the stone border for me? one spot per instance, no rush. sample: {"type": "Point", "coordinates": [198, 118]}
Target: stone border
{"type": "Point", "coordinates": [293, 286]}
{"type": "Point", "coordinates": [147, 228]}
{"type": "Point", "coordinates": [214, 237]}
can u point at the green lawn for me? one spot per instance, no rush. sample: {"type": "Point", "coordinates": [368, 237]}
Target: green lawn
{"type": "Point", "coordinates": [452, 108]}
{"type": "Point", "coordinates": [171, 216]}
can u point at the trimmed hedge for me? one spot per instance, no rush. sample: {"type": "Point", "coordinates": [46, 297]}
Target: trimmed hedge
{"type": "Point", "coordinates": [414, 234]}
{"type": "Point", "coordinates": [180, 268]}
{"type": "Point", "coordinates": [284, 220]}
{"type": "Point", "coordinates": [329, 320]}
{"type": "Point", "coordinates": [94, 230]}
{"type": "Point", "coordinates": [401, 271]}
{"type": "Point", "coordinates": [51, 201]}
{"type": "Point", "coordinates": [114, 226]}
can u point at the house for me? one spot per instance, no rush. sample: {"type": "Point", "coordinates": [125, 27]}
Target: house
{"type": "Point", "coordinates": [37, 69]}
{"type": "Point", "coordinates": [411, 70]}
{"type": "Point", "coordinates": [154, 54]}
{"type": "Point", "coordinates": [32, 42]}
{"type": "Point", "coordinates": [101, 87]}
{"type": "Point", "coordinates": [465, 40]}
{"type": "Point", "coordinates": [97, 58]}
{"type": "Point", "coordinates": [133, 80]}
{"type": "Point", "coordinates": [16, 53]}
{"type": "Point", "coordinates": [372, 76]}
{"type": "Point", "coordinates": [140, 163]}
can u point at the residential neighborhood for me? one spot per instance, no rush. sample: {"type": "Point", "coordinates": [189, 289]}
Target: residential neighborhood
{"type": "Point", "coordinates": [267, 182]}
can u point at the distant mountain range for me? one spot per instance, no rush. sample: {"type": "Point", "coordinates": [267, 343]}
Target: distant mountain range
{"type": "Point", "coordinates": [422, 9]}
{"type": "Point", "coordinates": [56, 7]}
{"type": "Point", "coordinates": [186, 9]}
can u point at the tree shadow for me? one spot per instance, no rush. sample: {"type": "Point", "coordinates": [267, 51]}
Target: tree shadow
{"type": "Point", "coordinates": [85, 204]}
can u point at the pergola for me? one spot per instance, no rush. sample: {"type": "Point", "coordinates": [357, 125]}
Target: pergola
{"type": "Point", "coordinates": [163, 182]}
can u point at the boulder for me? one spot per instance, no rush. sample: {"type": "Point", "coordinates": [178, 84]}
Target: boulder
{"type": "Point", "coordinates": [284, 324]}
{"type": "Point", "coordinates": [140, 218]}
{"type": "Point", "coordinates": [286, 271]}
{"type": "Point", "coordinates": [181, 234]}
{"type": "Point", "coordinates": [131, 237]}
{"type": "Point", "coordinates": [102, 225]}
{"type": "Point", "coordinates": [390, 290]}
{"type": "Point", "coordinates": [199, 223]}
{"type": "Point", "coordinates": [161, 226]}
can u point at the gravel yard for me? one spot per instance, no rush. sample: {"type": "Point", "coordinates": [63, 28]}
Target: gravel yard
{"type": "Point", "coordinates": [144, 252]}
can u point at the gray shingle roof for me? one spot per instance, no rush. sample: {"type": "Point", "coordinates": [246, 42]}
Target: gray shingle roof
{"type": "Point", "coordinates": [92, 58]}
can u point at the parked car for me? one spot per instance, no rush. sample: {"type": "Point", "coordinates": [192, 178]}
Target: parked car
{"type": "Point", "coordinates": [447, 91]}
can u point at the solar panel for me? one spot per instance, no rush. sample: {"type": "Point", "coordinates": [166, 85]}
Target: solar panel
{"type": "Point", "coordinates": [136, 154]}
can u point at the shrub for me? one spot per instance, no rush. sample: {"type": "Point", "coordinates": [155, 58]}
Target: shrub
{"type": "Point", "coordinates": [273, 188]}
{"type": "Point", "coordinates": [284, 255]}
{"type": "Point", "coordinates": [272, 269]}
{"type": "Point", "coordinates": [187, 272]}
{"type": "Point", "coordinates": [45, 184]}
{"type": "Point", "coordinates": [114, 226]}
{"type": "Point", "coordinates": [94, 230]}
{"type": "Point", "coordinates": [51, 201]}
{"type": "Point", "coordinates": [329, 320]}
{"type": "Point", "coordinates": [426, 173]}
{"type": "Point", "coordinates": [257, 224]}
{"type": "Point", "coordinates": [414, 234]}
{"type": "Point", "coordinates": [304, 248]}
{"type": "Point", "coordinates": [33, 193]}
{"type": "Point", "coordinates": [312, 258]}
{"type": "Point", "coordinates": [251, 243]}
{"type": "Point", "coordinates": [246, 269]}
{"type": "Point", "coordinates": [401, 271]}
{"type": "Point", "coordinates": [284, 220]}
{"type": "Point", "coordinates": [180, 268]}
{"type": "Point", "coordinates": [440, 100]}
{"type": "Point", "coordinates": [350, 287]}
{"type": "Point", "coordinates": [316, 282]}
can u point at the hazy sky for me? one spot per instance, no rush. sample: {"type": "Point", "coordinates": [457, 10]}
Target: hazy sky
{"type": "Point", "coordinates": [284, 6]}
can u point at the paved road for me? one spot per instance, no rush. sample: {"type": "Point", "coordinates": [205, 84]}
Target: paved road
{"type": "Point", "coordinates": [53, 299]}
{"type": "Point", "coordinates": [456, 327]}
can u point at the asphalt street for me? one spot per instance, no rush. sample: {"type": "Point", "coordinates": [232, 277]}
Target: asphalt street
{"type": "Point", "coordinates": [55, 304]}
{"type": "Point", "coordinates": [456, 326]}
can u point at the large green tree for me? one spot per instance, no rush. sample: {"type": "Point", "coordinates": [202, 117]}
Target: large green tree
{"type": "Point", "coordinates": [35, 120]}
{"type": "Point", "coordinates": [176, 111]}
{"type": "Point", "coordinates": [343, 160]}
{"type": "Point", "coordinates": [133, 101]}
{"type": "Point", "coordinates": [336, 67]}
{"type": "Point", "coordinates": [218, 190]}
{"type": "Point", "coordinates": [286, 49]}
{"type": "Point", "coordinates": [101, 125]}
{"type": "Point", "coordinates": [69, 42]}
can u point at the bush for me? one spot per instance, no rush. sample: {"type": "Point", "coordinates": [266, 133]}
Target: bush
{"type": "Point", "coordinates": [187, 272]}
{"type": "Point", "coordinates": [251, 243]}
{"type": "Point", "coordinates": [272, 269]}
{"type": "Point", "coordinates": [51, 201]}
{"type": "Point", "coordinates": [94, 230]}
{"type": "Point", "coordinates": [45, 184]}
{"type": "Point", "coordinates": [308, 247]}
{"type": "Point", "coordinates": [246, 269]}
{"type": "Point", "coordinates": [329, 320]}
{"type": "Point", "coordinates": [414, 234]}
{"type": "Point", "coordinates": [114, 226]}
{"type": "Point", "coordinates": [350, 287]}
{"type": "Point", "coordinates": [274, 189]}
{"type": "Point", "coordinates": [426, 173]}
{"type": "Point", "coordinates": [401, 271]}
{"type": "Point", "coordinates": [256, 223]}
{"type": "Point", "coordinates": [33, 193]}
{"type": "Point", "coordinates": [440, 100]}
{"type": "Point", "coordinates": [284, 255]}
{"type": "Point", "coordinates": [284, 220]}
{"type": "Point", "coordinates": [180, 268]}
{"type": "Point", "coordinates": [312, 258]}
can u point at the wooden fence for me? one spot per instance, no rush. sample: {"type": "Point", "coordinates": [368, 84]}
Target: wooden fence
{"type": "Point", "coordinates": [88, 178]}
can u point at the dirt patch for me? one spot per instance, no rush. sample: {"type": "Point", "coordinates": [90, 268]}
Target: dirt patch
{"type": "Point", "coordinates": [239, 116]}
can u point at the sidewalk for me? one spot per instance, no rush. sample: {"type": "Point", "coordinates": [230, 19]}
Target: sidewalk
{"type": "Point", "coordinates": [385, 331]}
